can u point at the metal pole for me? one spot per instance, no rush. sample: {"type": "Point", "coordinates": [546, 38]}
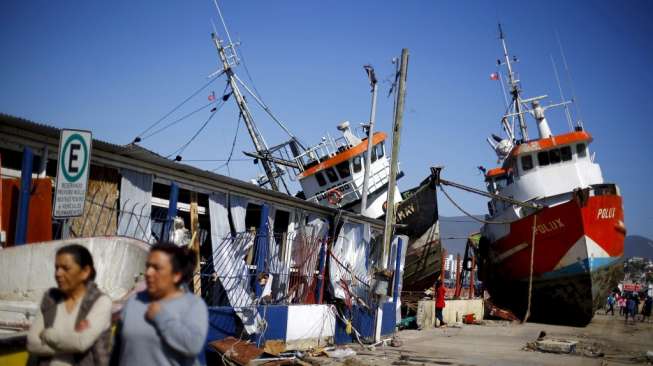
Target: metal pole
{"type": "Point", "coordinates": [397, 277]}
{"type": "Point", "coordinates": [370, 139]}
{"type": "Point", "coordinates": [261, 248]}
{"type": "Point", "coordinates": [172, 211]}
{"type": "Point", "coordinates": [259, 144]}
{"type": "Point", "coordinates": [471, 278]}
{"type": "Point", "coordinates": [321, 279]}
{"type": "Point", "coordinates": [396, 136]}
{"type": "Point", "coordinates": [23, 200]}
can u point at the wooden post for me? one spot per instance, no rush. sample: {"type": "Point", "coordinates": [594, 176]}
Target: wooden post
{"type": "Point", "coordinates": [458, 277]}
{"type": "Point", "coordinates": [396, 137]}
{"type": "Point", "coordinates": [195, 242]}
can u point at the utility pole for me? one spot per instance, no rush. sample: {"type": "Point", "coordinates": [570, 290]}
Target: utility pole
{"type": "Point", "coordinates": [370, 137]}
{"type": "Point", "coordinates": [259, 144]}
{"type": "Point", "coordinates": [396, 137]}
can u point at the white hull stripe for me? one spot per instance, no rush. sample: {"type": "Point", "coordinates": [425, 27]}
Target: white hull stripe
{"type": "Point", "coordinates": [584, 248]}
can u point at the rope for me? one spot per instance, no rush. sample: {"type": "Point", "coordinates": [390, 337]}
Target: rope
{"type": "Point", "coordinates": [530, 276]}
{"type": "Point", "coordinates": [472, 216]}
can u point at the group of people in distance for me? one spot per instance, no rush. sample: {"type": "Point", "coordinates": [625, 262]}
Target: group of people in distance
{"type": "Point", "coordinates": [163, 325]}
{"type": "Point", "coordinates": [630, 305]}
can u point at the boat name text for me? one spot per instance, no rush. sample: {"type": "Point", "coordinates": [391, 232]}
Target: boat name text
{"type": "Point", "coordinates": [550, 226]}
{"type": "Point", "coordinates": [606, 213]}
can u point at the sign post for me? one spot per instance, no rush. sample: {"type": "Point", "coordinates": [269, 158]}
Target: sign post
{"type": "Point", "coordinates": [73, 166]}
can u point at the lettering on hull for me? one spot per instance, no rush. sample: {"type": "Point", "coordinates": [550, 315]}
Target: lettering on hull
{"type": "Point", "coordinates": [550, 226]}
{"type": "Point", "coordinates": [606, 213]}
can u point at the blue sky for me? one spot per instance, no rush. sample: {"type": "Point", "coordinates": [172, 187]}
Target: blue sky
{"type": "Point", "coordinates": [115, 67]}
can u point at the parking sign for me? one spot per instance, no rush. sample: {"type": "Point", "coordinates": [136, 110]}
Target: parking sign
{"type": "Point", "coordinates": [73, 166]}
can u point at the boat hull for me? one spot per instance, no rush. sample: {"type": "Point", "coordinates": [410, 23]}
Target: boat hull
{"type": "Point", "coordinates": [577, 259]}
{"type": "Point", "coordinates": [417, 216]}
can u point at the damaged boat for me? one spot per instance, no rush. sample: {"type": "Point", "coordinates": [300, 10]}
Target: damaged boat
{"type": "Point", "coordinates": [562, 233]}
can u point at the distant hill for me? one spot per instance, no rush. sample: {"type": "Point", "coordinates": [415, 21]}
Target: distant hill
{"type": "Point", "coordinates": [638, 246]}
{"type": "Point", "coordinates": [455, 230]}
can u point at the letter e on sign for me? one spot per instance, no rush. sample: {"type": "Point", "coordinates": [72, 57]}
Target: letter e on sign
{"type": "Point", "coordinates": [73, 166]}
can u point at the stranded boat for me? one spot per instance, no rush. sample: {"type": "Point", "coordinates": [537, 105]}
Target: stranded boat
{"type": "Point", "coordinates": [333, 173]}
{"type": "Point", "coordinates": [568, 234]}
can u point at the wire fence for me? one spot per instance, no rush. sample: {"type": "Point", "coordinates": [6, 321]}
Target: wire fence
{"type": "Point", "coordinates": [285, 266]}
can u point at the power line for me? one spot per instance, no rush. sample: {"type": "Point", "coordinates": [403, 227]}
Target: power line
{"type": "Point", "coordinates": [176, 121]}
{"type": "Point", "coordinates": [233, 145]}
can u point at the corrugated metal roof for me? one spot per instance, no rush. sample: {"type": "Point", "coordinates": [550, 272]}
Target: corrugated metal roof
{"type": "Point", "coordinates": [138, 158]}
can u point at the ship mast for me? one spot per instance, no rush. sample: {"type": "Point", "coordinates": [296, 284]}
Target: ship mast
{"type": "Point", "coordinates": [514, 88]}
{"type": "Point", "coordinates": [259, 144]}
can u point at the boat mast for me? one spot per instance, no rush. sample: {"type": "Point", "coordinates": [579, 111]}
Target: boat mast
{"type": "Point", "coordinates": [259, 144]}
{"type": "Point", "coordinates": [514, 88]}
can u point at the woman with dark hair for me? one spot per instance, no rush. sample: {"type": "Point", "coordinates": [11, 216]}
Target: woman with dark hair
{"type": "Point", "coordinates": [165, 324]}
{"type": "Point", "coordinates": [72, 326]}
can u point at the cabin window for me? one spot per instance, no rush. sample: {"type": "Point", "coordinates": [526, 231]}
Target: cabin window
{"type": "Point", "coordinates": [320, 179]}
{"type": "Point", "coordinates": [357, 163]}
{"type": "Point", "coordinates": [527, 162]}
{"type": "Point", "coordinates": [554, 156]}
{"type": "Point", "coordinates": [343, 169]}
{"type": "Point", "coordinates": [373, 154]}
{"type": "Point", "coordinates": [581, 150]}
{"type": "Point", "coordinates": [543, 158]}
{"type": "Point", "coordinates": [331, 174]}
{"type": "Point", "coordinates": [565, 153]}
{"type": "Point", "coordinates": [379, 150]}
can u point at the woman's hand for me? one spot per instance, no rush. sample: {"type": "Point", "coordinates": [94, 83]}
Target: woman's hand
{"type": "Point", "coordinates": [82, 326]}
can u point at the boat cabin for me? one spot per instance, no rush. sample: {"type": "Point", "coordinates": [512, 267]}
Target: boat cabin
{"type": "Point", "coordinates": [546, 167]}
{"type": "Point", "coordinates": [332, 172]}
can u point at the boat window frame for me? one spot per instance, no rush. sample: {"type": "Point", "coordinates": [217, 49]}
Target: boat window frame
{"type": "Point", "coordinates": [581, 150]}
{"type": "Point", "coordinates": [526, 167]}
{"type": "Point", "coordinates": [566, 153]}
{"type": "Point", "coordinates": [321, 181]}
{"type": "Point", "coordinates": [554, 156]}
{"type": "Point", "coordinates": [343, 169]}
{"type": "Point", "coordinates": [357, 163]}
{"type": "Point", "coordinates": [333, 177]}
{"type": "Point", "coordinates": [543, 158]}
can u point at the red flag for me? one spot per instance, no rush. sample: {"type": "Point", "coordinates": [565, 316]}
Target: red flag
{"type": "Point", "coordinates": [494, 76]}
{"type": "Point", "coordinates": [212, 96]}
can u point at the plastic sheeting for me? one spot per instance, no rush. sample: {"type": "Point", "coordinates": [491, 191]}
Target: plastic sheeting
{"type": "Point", "coordinates": [135, 205]}
{"type": "Point", "coordinates": [349, 270]}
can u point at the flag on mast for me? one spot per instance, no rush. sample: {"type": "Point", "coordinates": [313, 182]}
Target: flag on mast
{"type": "Point", "coordinates": [212, 96]}
{"type": "Point", "coordinates": [494, 76]}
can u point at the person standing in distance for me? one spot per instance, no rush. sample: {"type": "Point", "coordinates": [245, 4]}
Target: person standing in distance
{"type": "Point", "coordinates": [165, 324]}
{"type": "Point", "coordinates": [440, 292]}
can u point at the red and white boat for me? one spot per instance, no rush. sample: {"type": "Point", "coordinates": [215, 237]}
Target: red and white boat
{"type": "Point", "coordinates": [569, 224]}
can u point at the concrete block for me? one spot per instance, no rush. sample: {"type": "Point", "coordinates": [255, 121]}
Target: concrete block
{"type": "Point", "coordinates": [556, 346]}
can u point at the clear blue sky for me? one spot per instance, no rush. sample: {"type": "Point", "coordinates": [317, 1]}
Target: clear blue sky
{"type": "Point", "coordinates": [117, 66]}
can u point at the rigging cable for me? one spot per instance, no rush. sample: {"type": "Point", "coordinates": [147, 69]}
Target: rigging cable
{"type": "Point", "coordinates": [470, 215]}
{"type": "Point", "coordinates": [177, 107]}
{"type": "Point", "coordinates": [184, 146]}
{"type": "Point", "coordinates": [233, 145]}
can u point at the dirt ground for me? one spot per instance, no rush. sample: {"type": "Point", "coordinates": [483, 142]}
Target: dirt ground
{"type": "Point", "coordinates": [605, 341]}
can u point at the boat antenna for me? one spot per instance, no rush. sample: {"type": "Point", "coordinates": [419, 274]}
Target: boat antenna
{"type": "Point", "coordinates": [571, 83]}
{"type": "Point", "coordinates": [229, 58]}
{"type": "Point", "coordinates": [562, 96]}
{"type": "Point", "coordinates": [514, 87]}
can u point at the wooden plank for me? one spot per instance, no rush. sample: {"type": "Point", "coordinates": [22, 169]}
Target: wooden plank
{"type": "Point", "coordinates": [195, 242]}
